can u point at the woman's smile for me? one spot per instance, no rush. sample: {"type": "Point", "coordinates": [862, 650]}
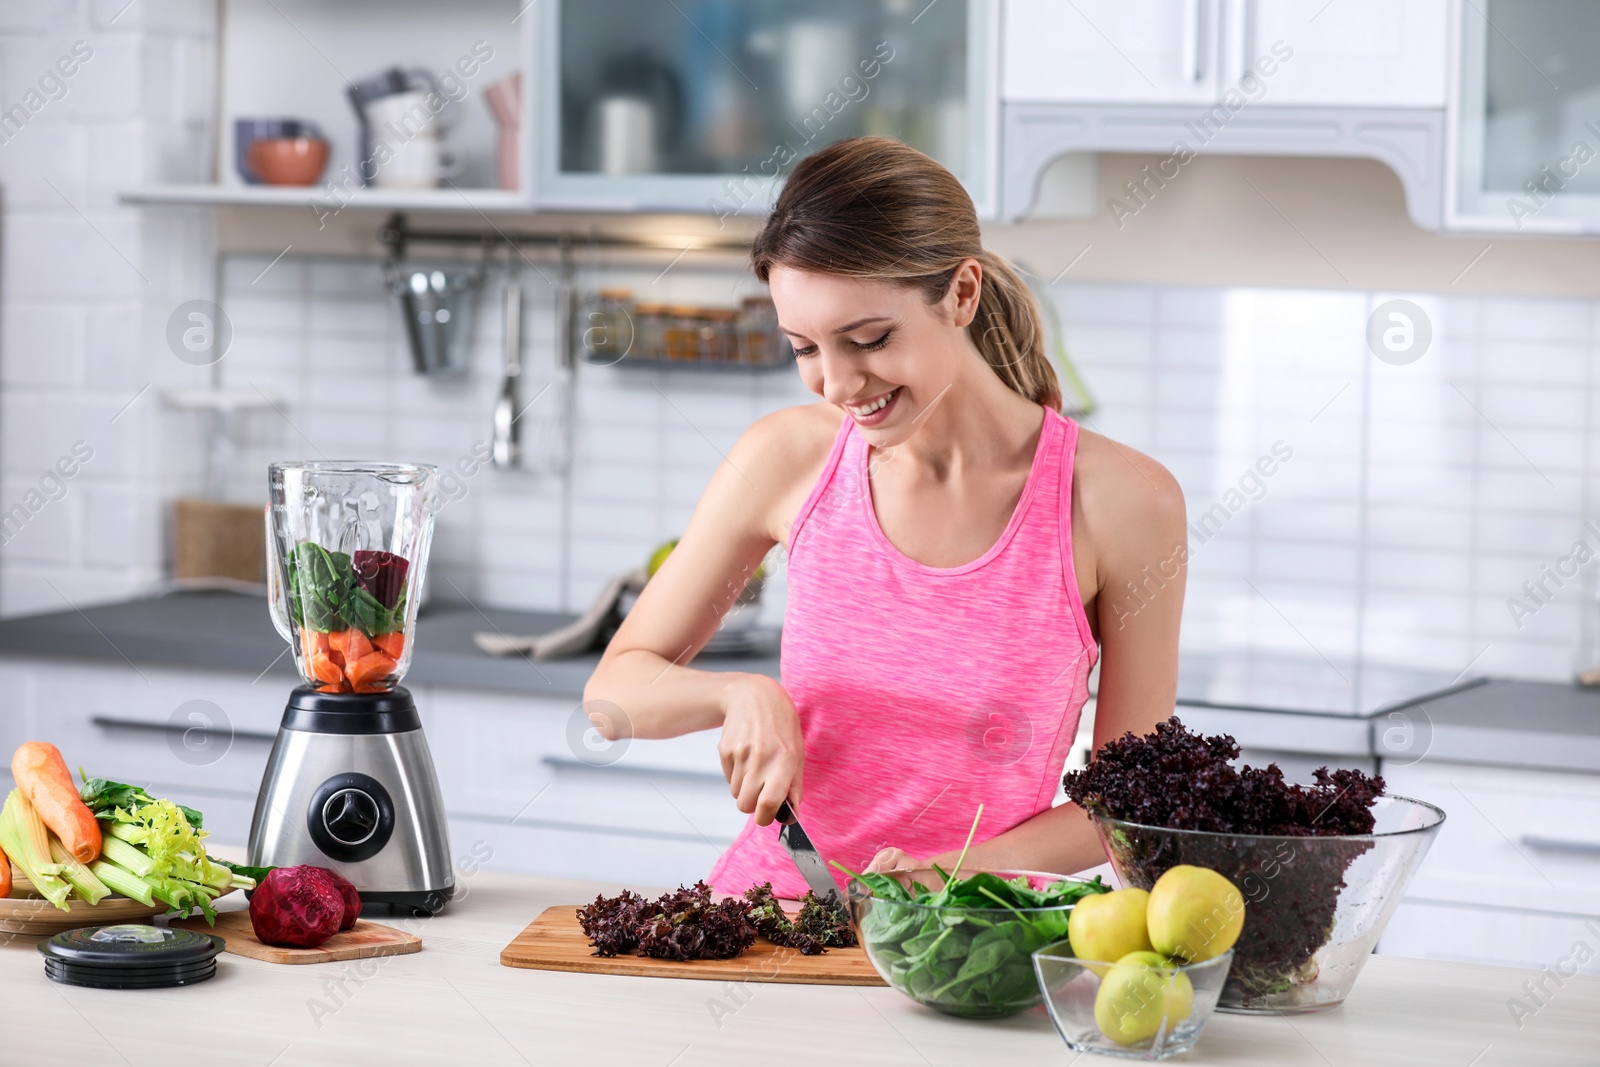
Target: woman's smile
{"type": "Point", "coordinates": [874, 411]}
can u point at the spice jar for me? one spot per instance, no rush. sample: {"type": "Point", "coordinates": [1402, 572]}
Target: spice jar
{"type": "Point", "coordinates": [609, 333]}
{"type": "Point", "coordinates": [649, 330]}
{"type": "Point", "coordinates": [718, 335]}
{"type": "Point", "coordinates": [683, 332]}
{"type": "Point", "coordinates": [758, 340]}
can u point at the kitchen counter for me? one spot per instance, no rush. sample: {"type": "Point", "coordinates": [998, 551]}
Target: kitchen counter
{"type": "Point", "coordinates": [453, 1003]}
{"type": "Point", "coordinates": [1277, 704]}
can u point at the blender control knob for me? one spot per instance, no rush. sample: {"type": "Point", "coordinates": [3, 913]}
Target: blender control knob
{"type": "Point", "coordinates": [351, 816]}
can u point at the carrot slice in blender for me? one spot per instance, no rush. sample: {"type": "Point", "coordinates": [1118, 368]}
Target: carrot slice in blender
{"type": "Point", "coordinates": [391, 645]}
{"type": "Point", "coordinates": [370, 668]}
{"type": "Point", "coordinates": [350, 644]}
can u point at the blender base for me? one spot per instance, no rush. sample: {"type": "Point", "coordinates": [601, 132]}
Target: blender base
{"type": "Point", "coordinates": [350, 786]}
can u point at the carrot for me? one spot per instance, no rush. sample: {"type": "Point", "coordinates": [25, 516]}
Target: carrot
{"type": "Point", "coordinates": [319, 657]}
{"type": "Point", "coordinates": [391, 645]}
{"type": "Point", "coordinates": [370, 668]}
{"type": "Point", "coordinates": [43, 777]}
{"type": "Point", "coordinates": [351, 644]}
{"type": "Point", "coordinates": [5, 875]}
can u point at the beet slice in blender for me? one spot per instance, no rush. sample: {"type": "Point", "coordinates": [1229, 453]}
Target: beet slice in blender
{"type": "Point", "coordinates": [383, 574]}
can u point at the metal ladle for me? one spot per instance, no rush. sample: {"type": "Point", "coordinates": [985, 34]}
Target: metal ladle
{"type": "Point", "coordinates": [507, 450]}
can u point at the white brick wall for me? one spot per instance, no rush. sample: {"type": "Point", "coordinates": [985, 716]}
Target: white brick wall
{"type": "Point", "coordinates": [86, 285]}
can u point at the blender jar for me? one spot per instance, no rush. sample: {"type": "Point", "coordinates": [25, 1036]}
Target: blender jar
{"type": "Point", "coordinates": [346, 546]}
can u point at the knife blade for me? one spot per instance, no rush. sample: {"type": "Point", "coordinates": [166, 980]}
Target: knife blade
{"type": "Point", "coordinates": [806, 858]}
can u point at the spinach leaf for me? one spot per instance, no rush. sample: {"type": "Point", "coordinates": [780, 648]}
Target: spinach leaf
{"type": "Point", "coordinates": [320, 585]}
{"type": "Point", "coordinates": [366, 612]}
{"type": "Point", "coordinates": [103, 797]}
{"type": "Point", "coordinates": [967, 946]}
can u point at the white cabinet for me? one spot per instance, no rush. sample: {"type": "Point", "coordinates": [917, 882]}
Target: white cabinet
{"type": "Point", "coordinates": [1515, 871]}
{"type": "Point", "coordinates": [1352, 53]}
{"type": "Point", "coordinates": [706, 105]}
{"type": "Point", "coordinates": [1108, 51]}
{"type": "Point", "coordinates": [1523, 118]}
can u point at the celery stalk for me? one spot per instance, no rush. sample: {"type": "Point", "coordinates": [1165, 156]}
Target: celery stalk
{"type": "Point", "coordinates": [80, 878]}
{"type": "Point", "coordinates": [120, 881]}
{"type": "Point", "coordinates": [133, 835]}
{"type": "Point", "coordinates": [34, 834]}
{"type": "Point", "coordinates": [12, 843]}
{"type": "Point", "coordinates": [171, 893]}
{"type": "Point", "coordinates": [126, 856]}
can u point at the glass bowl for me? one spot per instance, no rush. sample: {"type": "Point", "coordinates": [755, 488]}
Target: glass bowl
{"type": "Point", "coordinates": [972, 962]}
{"type": "Point", "coordinates": [1138, 1014]}
{"type": "Point", "coordinates": [1314, 906]}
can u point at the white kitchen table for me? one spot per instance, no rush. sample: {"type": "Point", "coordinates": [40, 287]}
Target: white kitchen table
{"type": "Point", "coordinates": [453, 1003]}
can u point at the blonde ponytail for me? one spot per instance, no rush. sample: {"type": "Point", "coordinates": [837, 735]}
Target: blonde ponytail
{"type": "Point", "coordinates": [1009, 331]}
{"type": "Point", "coordinates": [870, 207]}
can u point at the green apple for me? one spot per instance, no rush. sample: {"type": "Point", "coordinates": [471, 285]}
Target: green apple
{"type": "Point", "coordinates": [659, 556]}
{"type": "Point", "coordinates": [1139, 994]}
{"type": "Point", "coordinates": [1194, 914]}
{"type": "Point", "coordinates": [1108, 926]}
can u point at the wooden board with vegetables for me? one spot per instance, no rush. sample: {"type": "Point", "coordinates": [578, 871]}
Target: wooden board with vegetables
{"type": "Point", "coordinates": [107, 852]}
{"type": "Point", "coordinates": [364, 940]}
{"type": "Point", "coordinates": [555, 941]}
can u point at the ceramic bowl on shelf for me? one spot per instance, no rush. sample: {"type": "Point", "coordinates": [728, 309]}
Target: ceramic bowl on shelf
{"type": "Point", "coordinates": [288, 160]}
{"type": "Point", "coordinates": [1314, 906]}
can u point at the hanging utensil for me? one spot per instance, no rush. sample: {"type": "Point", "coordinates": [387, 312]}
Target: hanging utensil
{"type": "Point", "coordinates": [507, 451]}
{"type": "Point", "coordinates": [437, 302]}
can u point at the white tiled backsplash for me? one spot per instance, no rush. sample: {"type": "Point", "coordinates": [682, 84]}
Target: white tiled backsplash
{"type": "Point", "coordinates": [1414, 503]}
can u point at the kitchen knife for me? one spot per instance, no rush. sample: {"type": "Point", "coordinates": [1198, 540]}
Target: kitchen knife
{"type": "Point", "coordinates": [806, 858]}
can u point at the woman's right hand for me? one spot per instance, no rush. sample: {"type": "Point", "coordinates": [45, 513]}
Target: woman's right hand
{"type": "Point", "coordinates": [761, 747]}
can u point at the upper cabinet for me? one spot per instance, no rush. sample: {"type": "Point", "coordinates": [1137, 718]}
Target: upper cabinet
{"type": "Point", "coordinates": [1348, 53]}
{"type": "Point", "coordinates": [1243, 77]}
{"type": "Point", "coordinates": [1525, 118]}
{"type": "Point", "coordinates": [1110, 51]}
{"type": "Point", "coordinates": [705, 105]}
{"type": "Point", "coordinates": [1361, 53]}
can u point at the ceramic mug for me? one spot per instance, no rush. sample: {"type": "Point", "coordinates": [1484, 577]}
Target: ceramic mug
{"type": "Point", "coordinates": [415, 158]}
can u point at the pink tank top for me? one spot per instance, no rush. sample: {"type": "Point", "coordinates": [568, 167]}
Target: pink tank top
{"type": "Point", "coordinates": [924, 691]}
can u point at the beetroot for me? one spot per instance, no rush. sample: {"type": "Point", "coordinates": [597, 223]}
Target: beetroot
{"type": "Point", "coordinates": [296, 906]}
{"type": "Point", "coordinates": [352, 898]}
{"type": "Point", "coordinates": [383, 574]}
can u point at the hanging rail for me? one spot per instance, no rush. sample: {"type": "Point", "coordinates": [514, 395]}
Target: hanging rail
{"type": "Point", "coordinates": [395, 234]}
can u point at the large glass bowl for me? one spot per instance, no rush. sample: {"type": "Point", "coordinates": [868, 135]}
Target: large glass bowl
{"type": "Point", "coordinates": [1147, 1014]}
{"type": "Point", "coordinates": [972, 962]}
{"type": "Point", "coordinates": [1314, 906]}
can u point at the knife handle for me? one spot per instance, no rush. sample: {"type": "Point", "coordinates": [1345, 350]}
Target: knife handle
{"type": "Point", "coordinates": [785, 814]}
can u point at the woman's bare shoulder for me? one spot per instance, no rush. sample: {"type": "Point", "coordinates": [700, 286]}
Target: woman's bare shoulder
{"type": "Point", "coordinates": [780, 458]}
{"type": "Point", "coordinates": [1123, 490]}
{"type": "Point", "coordinates": [792, 440]}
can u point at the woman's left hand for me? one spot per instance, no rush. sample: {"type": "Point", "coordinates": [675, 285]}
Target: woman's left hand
{"type": "Point", "coordinates": [892, 859]}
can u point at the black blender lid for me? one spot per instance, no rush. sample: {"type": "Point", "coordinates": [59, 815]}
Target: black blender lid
{"type": "Point", "coordinates": [130, 955]}
{"type": "Point", "coordinates": [318, 711]}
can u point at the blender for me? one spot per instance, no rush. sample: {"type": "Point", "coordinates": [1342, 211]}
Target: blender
{"type": "Point", "coordinates": [350, 783]}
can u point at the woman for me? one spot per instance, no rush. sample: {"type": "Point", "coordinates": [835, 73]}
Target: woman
{"type": "Point", "coordinates": [956, 550]}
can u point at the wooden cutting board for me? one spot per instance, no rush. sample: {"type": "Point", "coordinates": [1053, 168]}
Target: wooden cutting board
{"type": "Point", "coordinates": [555, 942]}
{"type": "Point", "coordinates": [361, 941]}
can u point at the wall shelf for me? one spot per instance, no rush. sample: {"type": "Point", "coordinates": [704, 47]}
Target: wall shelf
{"type": "Point", "coordinates": [305, 196]}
